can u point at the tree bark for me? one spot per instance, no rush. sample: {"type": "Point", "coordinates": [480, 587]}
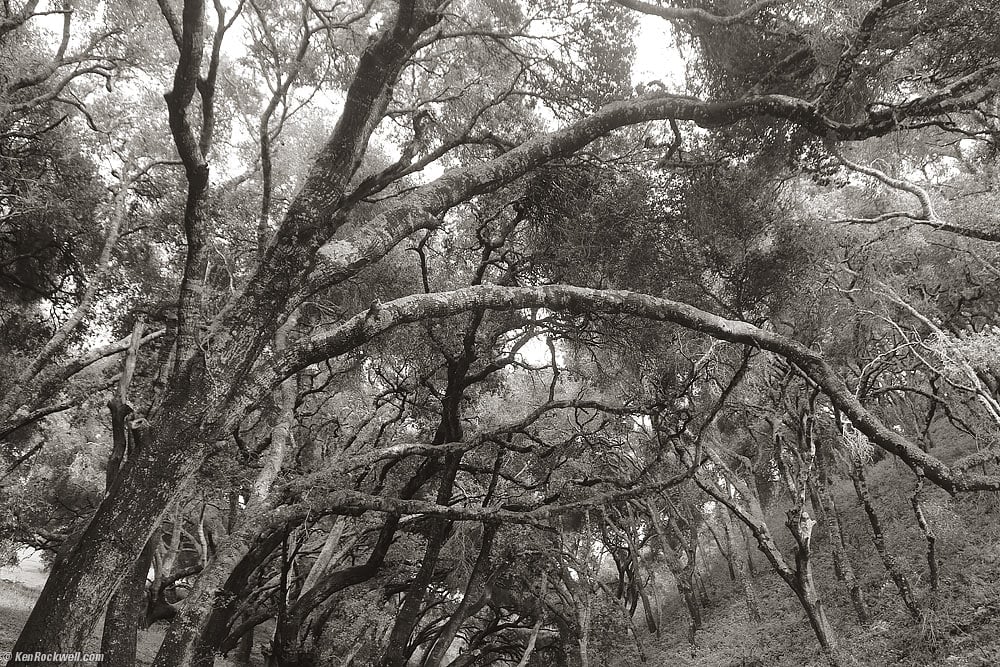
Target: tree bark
{"type": "Point", "coordinates": [81, 585]}
{"type": "Point", "coordinates": [216, 591]}
{"type": "Point", "coordinates": [801, 525]}
{"type": "Point", "coordinates": [125, 614]}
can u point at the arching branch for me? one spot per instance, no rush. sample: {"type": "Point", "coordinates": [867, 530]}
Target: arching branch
{"type": "Point", "coordinates": [366, 326]}
{"type": "Point", "coordinates": [926, 215]}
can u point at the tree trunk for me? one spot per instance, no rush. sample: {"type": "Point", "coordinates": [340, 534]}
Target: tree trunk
{"type": "Point", "coordinates": [125, 613]}
{"type": "Point", "coordinates": [681, 574]}
{"type": "Point", "coordinates": [583, 614]}
{"type": "Point", "coordinates": [215, 591]}
{"type": "Point", "coordinates": [801, 525]}
{"type": "Point", "coordinates": [918, 511]}
{"type": "Point", "coordinates": [841, 561]}
{"type": "Point", "coordinates": [736, 558]}
{"type": "Point", "coordinates": [396, 653]}
{"type": "Point", "coordinates": [640, 587]}
{"type": "Point", "coordinates": [824, 632]}
{"type": "Point", "coordinates": [746, 506]}
{"type": "Point", "coordinates": [892, 566]}
{"type": "Point", "coordinates": [80, 586]}
{"type": "Point", "coordinates": [120, 410]}
{"type": "Point", "coordinates": [180, 647]}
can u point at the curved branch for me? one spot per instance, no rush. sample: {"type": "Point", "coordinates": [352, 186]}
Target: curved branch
{"type": "Point", "coordinates": [926, 206]}
{"type": "Point", "coordinates": [925, 216]}
{"type": "Point", "coordinates": [366, 326]}
{"type": "Point", "coordinates": [343, 257]}
{"type": "Point", "coordinates": [848, 59]}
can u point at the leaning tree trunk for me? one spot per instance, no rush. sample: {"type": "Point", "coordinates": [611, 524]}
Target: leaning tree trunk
{"type": "Point", "coordinates": [396, 653]}
{"type": "Point", "coordinates": [804, 586]}
{"type": "Point", "coordinates": [179, 648]}
{"type": "Point", "coordinates": [76, 590]}
{"type": "Point", "coordinates": [530, 648]}
{"type": "Point", "coordinates": [892, 566]}
{"type": "Point", "coordinates": [584, 616]}
{"type": "Point", "coordinates": [640, 586]}
{"type": "Point", "coordinates": [745, 505]}
{"type": "Point", "coordinates": [127, 605]}
{"type": "Point", "coordinates": [683, 574]}
{"type": "Point", "coordinates": [125, 614]}
{"type": "Point", "coordinates": [918, 511]}
{"type": "Point", "coordinates": [181, 642]}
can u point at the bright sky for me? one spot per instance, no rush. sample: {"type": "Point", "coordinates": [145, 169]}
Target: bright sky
{"type": "Point", "coordinates": [656, 57]}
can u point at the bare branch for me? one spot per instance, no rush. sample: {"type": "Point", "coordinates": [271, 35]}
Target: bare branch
{"type": "Point", "coordinates": [926, 215]}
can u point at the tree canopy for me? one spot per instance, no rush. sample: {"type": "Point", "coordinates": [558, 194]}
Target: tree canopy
{"type": "Point", "coordinates": [432, 332]}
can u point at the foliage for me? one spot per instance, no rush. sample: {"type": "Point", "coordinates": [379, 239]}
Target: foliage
{"type": "Point", "coordinates": [415, 332]}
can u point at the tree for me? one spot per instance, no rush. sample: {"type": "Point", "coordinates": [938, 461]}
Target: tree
{"type": "Point", "coordinates": [238, 334]}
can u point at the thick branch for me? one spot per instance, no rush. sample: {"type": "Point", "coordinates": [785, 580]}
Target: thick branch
{"type": "Point", "coordinates": [344, 257]}
{"type": "Point", "coordinates": [848, 59]}
{"type": "Point", "coordinates": [311, 218]}
{"type": "Point", "coordinates": [366, 326]}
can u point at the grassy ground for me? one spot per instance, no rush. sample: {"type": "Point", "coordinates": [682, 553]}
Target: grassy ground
{"type": "Point", "coordinates": [19, 587]}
